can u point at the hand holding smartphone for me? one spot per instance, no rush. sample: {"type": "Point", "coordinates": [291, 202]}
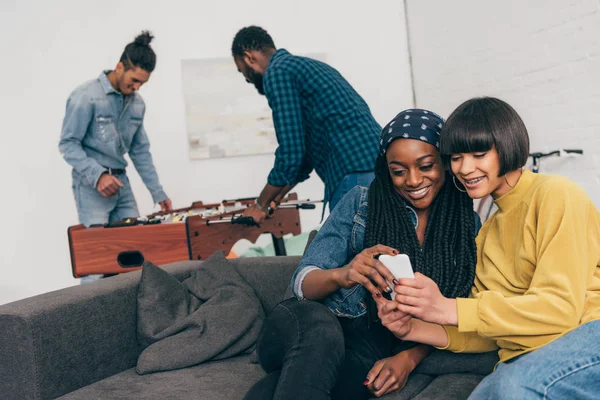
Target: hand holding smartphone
{"type": "Point", "coordinates": [399, 265]}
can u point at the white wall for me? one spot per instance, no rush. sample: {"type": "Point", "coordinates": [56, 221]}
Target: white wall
{"type": "Point", "coordinates": [541, 56]}
{"type": "Point", "coordinates": [49, 47]}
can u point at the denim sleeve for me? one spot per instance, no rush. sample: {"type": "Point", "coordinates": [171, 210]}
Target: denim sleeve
{"type": "Point", "coordinates": [142, 159]}
{"type": "Point", "coordinates": [284, 100]}
{"type": "Point", "coordinates": [331, 248]}
{"type": "Point", "coordinates": [78, 116]}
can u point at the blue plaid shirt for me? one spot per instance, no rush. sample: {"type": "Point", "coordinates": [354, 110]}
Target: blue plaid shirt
{"type": "Point", "coordinates": [320, 121]}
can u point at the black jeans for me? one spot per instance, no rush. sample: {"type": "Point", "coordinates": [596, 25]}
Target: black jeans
{"type": "Point", "coordinates": [308, 353]}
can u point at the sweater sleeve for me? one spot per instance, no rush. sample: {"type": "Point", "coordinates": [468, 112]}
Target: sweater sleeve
{"type": "Point", "coordinates": [467, 342]}
{"type": "Point", "coordinates": [554, 301]}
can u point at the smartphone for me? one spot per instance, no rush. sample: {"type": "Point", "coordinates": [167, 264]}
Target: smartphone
{"type": "Point", "coordinates": [399, 265]}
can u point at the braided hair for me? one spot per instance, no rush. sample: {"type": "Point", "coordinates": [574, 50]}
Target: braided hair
{"type": "Point", "coordinates": [448, 255]}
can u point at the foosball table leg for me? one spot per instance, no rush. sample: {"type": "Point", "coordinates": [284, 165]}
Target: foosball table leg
{"type": "Point", "coordinates": [279, 246]}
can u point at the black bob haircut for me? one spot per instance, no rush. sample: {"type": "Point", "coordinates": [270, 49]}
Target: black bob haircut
{"type": "Point", "coordinates": [139, 53]}
{"type": "Point", "coordinates": [481, 123]}
{"type": "Point", "coordinates": [251, 38]}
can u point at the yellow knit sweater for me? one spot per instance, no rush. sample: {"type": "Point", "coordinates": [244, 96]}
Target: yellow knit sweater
{"type": "Point", "coordinates": [538, 270]}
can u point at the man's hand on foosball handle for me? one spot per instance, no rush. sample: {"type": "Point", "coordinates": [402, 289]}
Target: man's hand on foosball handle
{"type": "Point", "coordinates": [165, 205]}
{"type": "Point", "coordinates": [108, 185]}
{"type": "Point", "coordinates": [255, 212]}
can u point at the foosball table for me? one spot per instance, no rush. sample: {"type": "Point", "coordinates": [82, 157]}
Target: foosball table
{"type": "Point", "coordinates": [192, 233]}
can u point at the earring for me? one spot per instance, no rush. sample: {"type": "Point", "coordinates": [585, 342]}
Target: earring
{"type": "Point", "coordinates": [459, 189]}
{"type": "Point", "coordinates": [506, 179]}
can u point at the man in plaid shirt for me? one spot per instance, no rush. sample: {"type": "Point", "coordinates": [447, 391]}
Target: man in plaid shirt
{"type": "Point", "coordinates": [320, 121]}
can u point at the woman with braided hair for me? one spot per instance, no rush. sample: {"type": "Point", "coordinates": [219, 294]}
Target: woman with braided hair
{"type": "Point", "coordinates": [334, 346]}
{"type": "Point", "coordinates": [447, 257]}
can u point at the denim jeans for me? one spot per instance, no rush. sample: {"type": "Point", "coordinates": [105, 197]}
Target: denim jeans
{"type": "Point", "coordinates": [566, 368]}
{"type": "Point", "coordinates": [365, 343]}
{"type": "Point", "coordinates": [308, 353]}
{"type": "Point", "coordinates": [347, 183]}
{"type": "Point", "coordinates": [93, 208]}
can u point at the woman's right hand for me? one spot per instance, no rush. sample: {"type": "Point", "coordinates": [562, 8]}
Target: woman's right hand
{"type": "Point", "coordinates": [367, 271]}
{"type": "Point", "coordinates": [396, 321]}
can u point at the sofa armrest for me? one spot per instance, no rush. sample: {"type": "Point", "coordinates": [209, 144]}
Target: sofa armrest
{"type": "Point", "coordinates": [60, 341]}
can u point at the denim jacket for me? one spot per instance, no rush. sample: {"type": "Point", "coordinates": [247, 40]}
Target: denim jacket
{"type": "Point", "coordinates": [339, 240]}
{"type": "Point", "coordinates": [99, 127]}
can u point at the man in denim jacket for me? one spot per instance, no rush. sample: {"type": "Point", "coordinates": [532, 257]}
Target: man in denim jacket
{"type": "Point", "coordinates": [103, 121]}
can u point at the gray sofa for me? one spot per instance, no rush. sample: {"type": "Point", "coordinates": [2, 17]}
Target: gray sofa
{"type": "Point", "coordinates": [80, 343]}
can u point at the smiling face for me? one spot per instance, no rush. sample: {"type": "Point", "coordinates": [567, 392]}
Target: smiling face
{"type": "Point", "coordinates": [478, 172]}
{"type": "Point", "coordinates": [416, 171]}
{"type": "Point", "coordinates": [130, 80]}
{"type": "Point", "coordinates": [485, 143]}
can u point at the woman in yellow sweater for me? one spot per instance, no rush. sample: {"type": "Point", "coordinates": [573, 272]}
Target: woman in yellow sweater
{"type": "Point", "coordinates": [536, 295]}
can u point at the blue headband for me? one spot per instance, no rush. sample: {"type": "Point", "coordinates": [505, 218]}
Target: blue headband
{"type": "Point", "coordinates": [416, 124]}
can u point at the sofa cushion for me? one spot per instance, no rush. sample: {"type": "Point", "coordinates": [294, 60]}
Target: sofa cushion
{"type": "Point", "coordinates": [451, 386]}
{"type": "Point", "coordinates": [215, 380]}
{"type": "Point", "coordinates": [441, 362]}
{"type": "Point", "coordinates": [427, 387]}
{"type": "Point", "coordinates": [230, 379]}
{"type": "Point", "coordinates": [212, 315]}
{"type": "Point", "coordinates": [414, 385]}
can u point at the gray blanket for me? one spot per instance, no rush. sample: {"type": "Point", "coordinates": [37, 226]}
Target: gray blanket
{"type": "Point", "coordinates": [213, 314]}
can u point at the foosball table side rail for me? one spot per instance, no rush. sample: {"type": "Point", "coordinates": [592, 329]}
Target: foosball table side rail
{"type": "Point", "coordinates": [102, 250]}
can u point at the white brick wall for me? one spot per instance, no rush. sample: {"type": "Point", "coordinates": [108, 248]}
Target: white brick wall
{"type": "Point", "coordinates": [541, 56]}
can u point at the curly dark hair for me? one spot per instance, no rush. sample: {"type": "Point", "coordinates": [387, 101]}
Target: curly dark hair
{"type": "Point", "coordinates": [139, 53]}
{"type": "Point", "coordinates": [251, 38]}
{"type": "Point", "coordinates": [448, 255]}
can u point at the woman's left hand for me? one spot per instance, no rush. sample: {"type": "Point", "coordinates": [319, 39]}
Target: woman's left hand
{"type": "Point", "coordinates": [390, 374]}
{"type": "Point", "coordinates": [421, 298]}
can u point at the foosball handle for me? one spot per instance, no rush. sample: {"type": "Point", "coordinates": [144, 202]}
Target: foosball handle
{"type": "Point", "coordinates": [301, 206]}
{"type": "Point", "coordinates": [236, 200]}
{"type": "Point", "coordinates": [244, 221]}
{"type": "Point", "coordinates": [306, 206]}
